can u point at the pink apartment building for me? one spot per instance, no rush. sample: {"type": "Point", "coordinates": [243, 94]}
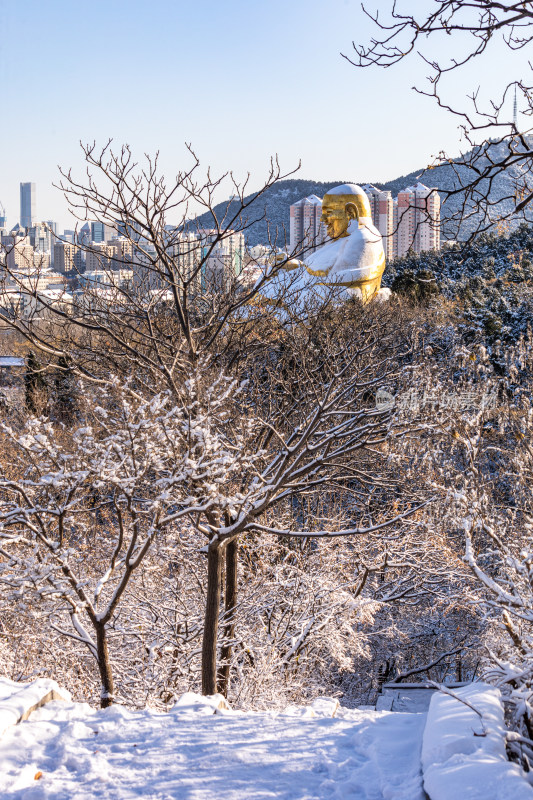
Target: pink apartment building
{"type": "Point", "coordinates": [417, 222]}
{"type": "Point", "coordinates": [410, 221]}
{"type": "Point", "coordinates": [306, 229]}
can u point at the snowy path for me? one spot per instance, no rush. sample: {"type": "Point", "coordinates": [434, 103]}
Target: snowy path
{"type": "Point", "coordinates": [117, 754]}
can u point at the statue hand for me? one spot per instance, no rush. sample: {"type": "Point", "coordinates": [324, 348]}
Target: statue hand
{"type": "Point", "coordinates": [282, 259]}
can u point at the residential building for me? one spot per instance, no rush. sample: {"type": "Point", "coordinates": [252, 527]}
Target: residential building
{"type": "Point", "coordinates": [418, 220]}
{"type": "Point", "coordinates": [104, 279]}
{"type": "Point", "coordinates": [27, 205]}
{"type": "Point", "coordinates": [382, 206]}
{"type": "Point", "coordinates": [224, 262]}
{"type": "Point", "coordinates": [67, 258]}
{"type": "Point", "coordinates": [185, 247]}
{"type": "Point", "coordinates": [52, 228]}
{"type": "Point", "coordinates": [99, 257]}
{"type": "Point", "coordinates": [20, 257]}
{"type": "Point", "coordinates": [306, 229]}
{"type": "Point", "coordinates": [122, 252]}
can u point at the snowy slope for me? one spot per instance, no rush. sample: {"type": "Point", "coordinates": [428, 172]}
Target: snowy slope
{"type": "Point", "coordinates": [193, 754]}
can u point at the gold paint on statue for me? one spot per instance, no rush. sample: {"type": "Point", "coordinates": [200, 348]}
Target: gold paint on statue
{"type": "Point", "coordinates": [353, 257]}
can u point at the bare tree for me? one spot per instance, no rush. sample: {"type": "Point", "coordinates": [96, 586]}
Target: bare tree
{"type": "Point", "coordinates": [276, 403]}
{"type": "Point", "coordinates": [498, 147]}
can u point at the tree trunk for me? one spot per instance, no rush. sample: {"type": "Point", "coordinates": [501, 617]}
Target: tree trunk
{"type": "Point", "coordinates": [107, 694]}
{"type": "Point", "coordinates": [212, 606]}
{"type": "Point", "coordinates": [230, 603]}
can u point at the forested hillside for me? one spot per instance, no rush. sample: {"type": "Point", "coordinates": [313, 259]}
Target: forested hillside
{"type": "Point", "coordinates": [491, 283]}
{"type": "Point", "coordinates": [275, 203]}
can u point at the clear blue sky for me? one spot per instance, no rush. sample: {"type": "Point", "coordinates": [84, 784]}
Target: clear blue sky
{"type": "Point", "coordinates": [240, 79]}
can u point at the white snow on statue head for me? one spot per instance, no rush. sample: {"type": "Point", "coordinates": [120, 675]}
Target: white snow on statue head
{"type": "Point", "coordinates": [339, 196]}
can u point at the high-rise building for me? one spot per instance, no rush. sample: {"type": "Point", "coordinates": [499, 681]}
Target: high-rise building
{"type": "Point", "coordinates": [40, 237]}
{"type": "Point", "coordinates": [52, 228]}
{"type": "Point", "coordinates": [27, 205]}
{"type": "Point", "coordinates": [185, 248]}
{"type": "Point", "coordinates": [382, 206]}
{"type": "Point", "coordinates": [20, 257]}
{"type": "Point", "coordinates": [418, 220]}
{"type": "Point", "coordinates": [99, 257]}
{"type": "Point", "coordinates": [122, 253]}
{"type": "Point", "coordinates": [67, 258]}
{"type": "Point", "coordinates": [306, 230]}
{"type": "Point", "coordinates": [224, 262]}
{"type": "Point", "coordinates": [100, 232]}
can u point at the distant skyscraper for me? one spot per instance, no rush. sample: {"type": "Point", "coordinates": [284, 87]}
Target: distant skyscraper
{"type": "Point", "coordinates": [100, 232]}
{"type": "Point", "coordinates": [40, 237]}
{"type": "Point", "coordinates": [306, 228]}
{"type": "Point", "coordinates": [27, 205]}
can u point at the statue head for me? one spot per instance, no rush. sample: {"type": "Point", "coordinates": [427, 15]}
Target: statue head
{"type": "Point", "coordinates": [341, 205]}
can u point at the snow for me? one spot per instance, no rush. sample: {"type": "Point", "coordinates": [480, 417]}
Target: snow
{"type": "Point", "coordinates": [17, 700]}
{"type": "Point", "coordinates": [11, 361]}
{"type": "Point", "coordinates": [198, 752]}
{"type": "Point", "coordinates": [404, 698]}
{"type": "Point", "coordinates": [463, 753]}
{"type": "Point", "coordinates": [202, 750]}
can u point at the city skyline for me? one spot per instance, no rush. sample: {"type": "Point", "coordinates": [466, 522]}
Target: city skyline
{"type": "Point", "coordinates": [226, 71]}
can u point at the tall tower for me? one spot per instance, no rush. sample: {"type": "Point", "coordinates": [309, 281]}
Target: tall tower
{"type": "Point", "coordinates": [515, 111]}
{"type": "Point", "coordinates": [27, 205]}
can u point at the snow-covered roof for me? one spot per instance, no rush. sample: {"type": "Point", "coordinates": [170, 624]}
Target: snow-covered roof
{"type": "Point", "coordinates": [313, 199]}
{"type": "Point", "coordinates": [55, 294]}
{"type": "Point", "coordinates": [11, 361]}
{"type": "Point", "coordinates": [419, 187]}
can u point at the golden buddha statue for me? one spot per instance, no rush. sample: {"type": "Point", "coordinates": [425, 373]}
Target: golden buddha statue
{"type": "Point", "coordinates": [353, 257]}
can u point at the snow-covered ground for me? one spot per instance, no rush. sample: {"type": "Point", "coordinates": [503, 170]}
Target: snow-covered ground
{"type": "Point", "coordinates": [191, 754]}
{"type": "Point", "coordinates": [463, 751]}
{"type": "Point", "coordinates": [202, 751]}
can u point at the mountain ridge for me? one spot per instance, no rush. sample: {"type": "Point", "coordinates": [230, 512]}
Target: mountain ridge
{"type": "Point", "coordinates": [276, 200]}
